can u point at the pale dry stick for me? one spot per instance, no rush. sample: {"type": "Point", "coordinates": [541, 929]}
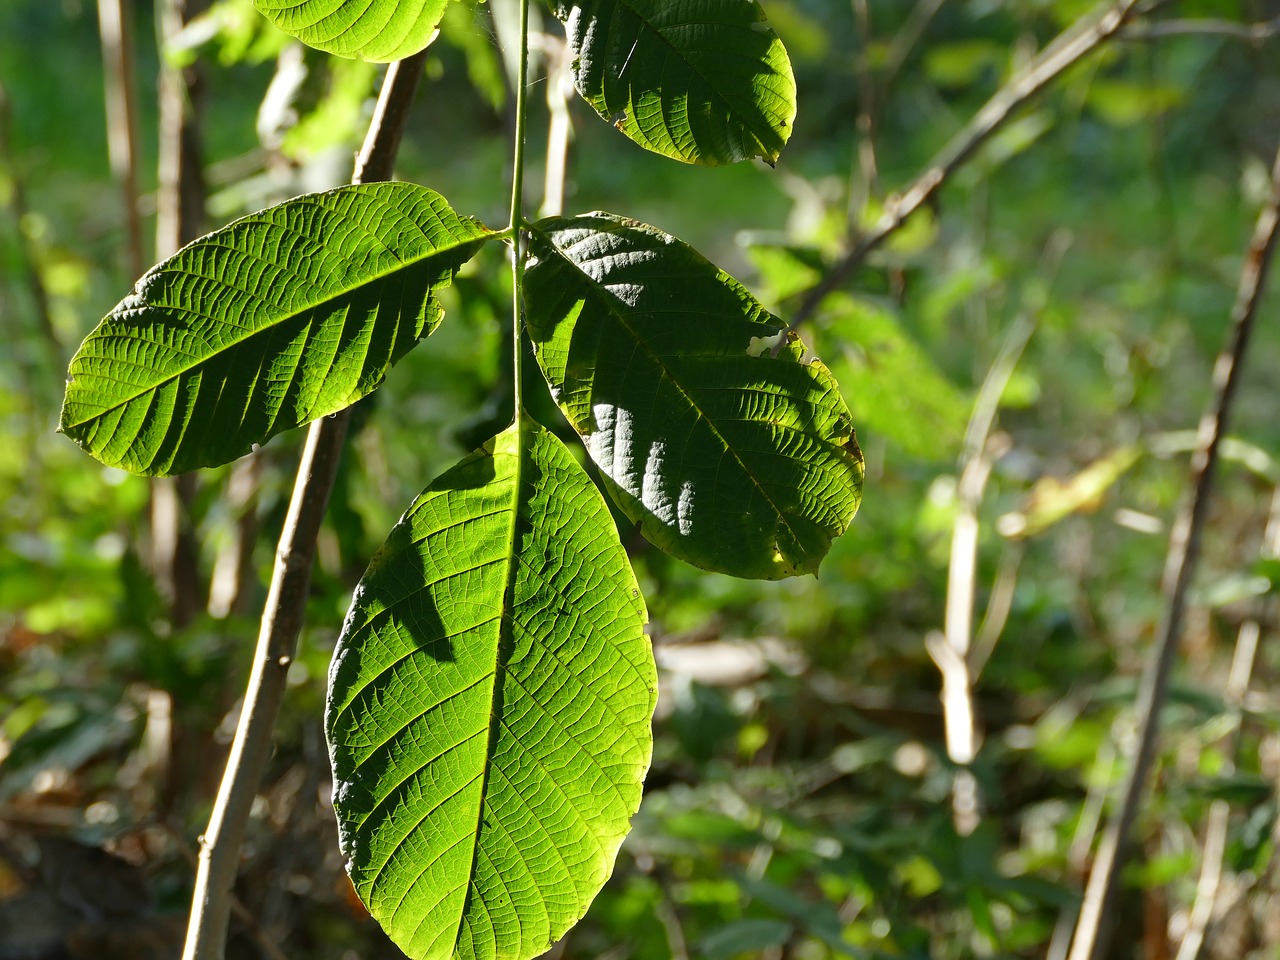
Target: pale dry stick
{"type": "Point", "coordinates": [238, 909]}
{"type": "Point", "coordinates": [286, 601]}
{"type": "Point", "coordinates": [950, 649]}
{"type": "Point", "coordinates": [1184, 549]}
{"type": "Point", "coordinates": [560, 127]}
{"type": "Point", "coordinates": [1091, 811]}
{"type": "Point", "coordinates": [1215, 832]}
{"type": "Point", "coordinates": [115, 32]}
{"type": "Point", "coordinates": [1255, 33]}
{"type": "Point", "coordinates": [1068, 48]}
{"type": "Point", "coordinates": [999, 606]}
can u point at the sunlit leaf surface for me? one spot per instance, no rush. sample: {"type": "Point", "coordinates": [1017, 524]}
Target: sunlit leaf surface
{"type": "Point", "coordinates": [729, 457]}
{"type": "Point", "coordinates": [705, 82]}
{"type": "Point", "coordinates": [489, 707]}
{"type": "Point", "coordinates": [380, 30]}
{"type": "Point", "coordinates": [287, 315]}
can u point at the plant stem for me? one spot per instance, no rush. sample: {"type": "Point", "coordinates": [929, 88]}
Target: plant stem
{"type": "Point", "coordinates": [115, 28]}
{"type": "Point", "coordinates": [286, 601]}
{"type": "Point", "coordinates": [180, 197]}
{"type": "Point", "coordinates": [517, 214]}
{"type": "Point", "coordinates": [1090, 941]}
{"type": "Point", "coordinates": [1248, 639]}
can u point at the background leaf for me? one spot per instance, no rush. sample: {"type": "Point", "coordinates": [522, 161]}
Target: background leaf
{"type": "Point", "coordinates": [379, 30]}
{"type": "Point", "coordinates": [706, 83]}
{"type": "Point", "coordinates": [284, 316]}
{"type": "Point", "coordinates": [728, 457]}
{"type": "Point", "coordinates": [489, 708]}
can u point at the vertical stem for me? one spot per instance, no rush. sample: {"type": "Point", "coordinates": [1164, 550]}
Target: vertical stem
{"type": "Point", "coordinates": [180, 180]}
{"type": "Point", "coordinates": [27, 255]}
{"type": "Point", "coordinates": [1184, 551]}
{"type": "Point", "coordinates": [559, 130]}
{"type": "Point", "coordinates": [286, 602]}
{"type": "Point", "coordinates": [117, 61]}
{"type": "Point", "coordinates": [517, 215]}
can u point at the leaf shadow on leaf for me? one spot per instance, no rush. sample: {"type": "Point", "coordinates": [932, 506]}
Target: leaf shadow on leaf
{"type": "Point", "coordinates": [397, 578]}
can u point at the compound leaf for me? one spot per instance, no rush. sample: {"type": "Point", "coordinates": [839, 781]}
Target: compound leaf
{"type": "Point", "coordinates": [706, 82]}
{"type": "Point", "coordinates": [378, 30]}
{"type": "Point", "coordinates": [728, 456]}
{"type": "Point", "coordinates": [284, 316]}
{"type": "Point", "coordinates": [489, 707]}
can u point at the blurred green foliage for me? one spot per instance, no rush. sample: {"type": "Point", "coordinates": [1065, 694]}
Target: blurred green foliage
{"type": "Point", "coordinates": [799, 804]}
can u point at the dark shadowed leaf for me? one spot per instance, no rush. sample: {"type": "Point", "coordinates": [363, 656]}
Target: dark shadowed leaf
{"type": "Point", "coordinates": [729, 457]}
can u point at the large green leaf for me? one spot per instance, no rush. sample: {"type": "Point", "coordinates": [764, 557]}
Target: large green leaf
{"type": "Point", "coordinates": [287, 315]}
{"type": "Point", "coordinates": [379, 30]}
{"type": "Point", "coordinates": [706, 82]}
{"type": "Point", "coordinates": [489, 707]}
{"type": "Point", "coordinates": [729, 457]}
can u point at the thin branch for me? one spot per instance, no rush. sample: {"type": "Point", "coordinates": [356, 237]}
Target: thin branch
{"type": "Point", "coordinates": [906, 38]}
{"type": "Point", "coordinates": [1068, 48]}
{"type": "Point", "coordinates": [286, 601]}
{"type": "Point", "coordinates": [1255, 33]}
{"type": "Point", "coordinates": [115, 32]}
{"type": "Point", "coordinates": [1184, 550]}
{"type": "Point", "coordinates": [1215, 832]}
{"type": "Point", "coordinates": [950, 649]}
{"type": "Point", "coordinates": [866, 122]}
{"type": "Point", "coordinates": [560, 125]}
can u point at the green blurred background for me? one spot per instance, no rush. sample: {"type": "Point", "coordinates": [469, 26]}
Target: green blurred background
{"type": "Point", "coordinates": [800, 803]}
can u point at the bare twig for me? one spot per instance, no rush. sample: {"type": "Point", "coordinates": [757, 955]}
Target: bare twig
{"type": "Point", "coordinates": [865, 188]}
{"type": "Point", "coordinates": [115, 30]}
{"type": "Point", "coordinates": [999, 605]}
{"type": "Point", "coordinates": [560, 126]}
{"type": "Point", "coordinates": [1067, 49]}
{"type": "Point", "coordinates": [1184, 549]}
{"type": "Point", "coordinates": [1255, 33]}
{"type": "Point", "coordinates": [1215, 832]}
{"type": "Point", "coordinates": [1086, 832]}
{"type": "Point", "coordinates": [906, 38]}
{"type": "Point", "coordinates": [238, 909]}
{"type": "Point", "coordinates": [286, 601]}
{"type": "Point", "coordinates": [179, 220]}
{"type": "Point", "coordinates": [950, 649]}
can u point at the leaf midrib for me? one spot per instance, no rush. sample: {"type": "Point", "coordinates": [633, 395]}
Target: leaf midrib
{"type": "Point", "coordinates": [274, 324]}
{"type": "Point", "coordinates": [506, 628]}
{"type": "Point", "coordinates": [610, 301]}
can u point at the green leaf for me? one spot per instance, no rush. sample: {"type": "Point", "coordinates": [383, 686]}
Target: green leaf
{"type": "Point", "coordinates": [728, 457]}
{"type": "Point", "coordinates": [706, 83]}
{"type": "Point", "coordinates": [489, 707]}
{"type": "Point", "coordinates": [287, 315]}
{"type": "Point", "coordinates": [378, 30]}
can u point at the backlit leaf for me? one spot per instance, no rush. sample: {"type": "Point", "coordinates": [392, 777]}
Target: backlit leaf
{"type": "Point", "coordinates": [284, 316]}
{"type": "Point", "coordinates": [706, 82]}
{"type": "Point", "coordinates": [727, 456]}
{"type": "Point", "coordinates": [489, 707]}
{"type": "Point", "coordinates": [379, 30]}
